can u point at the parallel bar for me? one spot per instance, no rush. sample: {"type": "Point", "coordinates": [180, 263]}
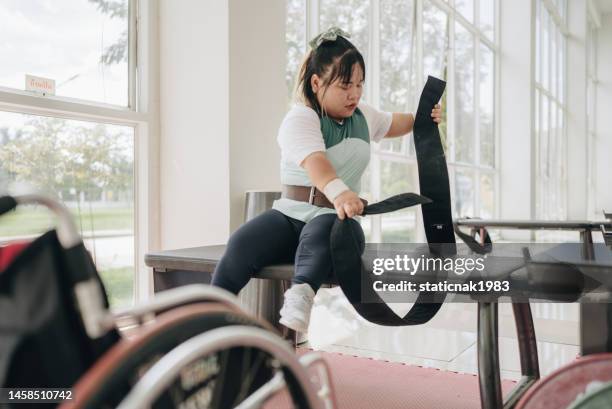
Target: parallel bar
{"type": "Point", "coordinates": [536, 224]}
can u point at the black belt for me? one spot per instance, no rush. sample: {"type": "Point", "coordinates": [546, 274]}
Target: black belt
{"type": "Point", "coordinates": [437, 219]}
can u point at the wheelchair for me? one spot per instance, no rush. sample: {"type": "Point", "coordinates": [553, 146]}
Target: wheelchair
{"type": "Point", "coordinates": [191, 347]}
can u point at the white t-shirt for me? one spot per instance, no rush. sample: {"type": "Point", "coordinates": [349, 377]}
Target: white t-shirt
{"type": "Point", "coordinates": [346, 145]}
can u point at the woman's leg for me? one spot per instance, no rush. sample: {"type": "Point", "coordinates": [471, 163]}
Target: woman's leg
{"type": "Point", "coordinates": [269, 238]}
{"type": "Point", "coordinates": [313, 262]}
{"type": "Point", "coordinates": [312, 266]}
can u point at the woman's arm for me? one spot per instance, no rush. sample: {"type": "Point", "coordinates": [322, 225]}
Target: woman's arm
{"type": "Point", "coordinates": [402, 124]}
{"type": "Point", "coordinates": [321, 173]}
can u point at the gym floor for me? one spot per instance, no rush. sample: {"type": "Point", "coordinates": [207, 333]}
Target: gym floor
{"type": "Point", "coordinates": [448, 342]}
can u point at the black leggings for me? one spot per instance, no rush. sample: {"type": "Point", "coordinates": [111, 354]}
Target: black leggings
{"type": "Point", "coordinates": [272, 238]}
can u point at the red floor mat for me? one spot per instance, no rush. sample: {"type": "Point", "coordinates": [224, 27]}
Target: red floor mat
{"type": "Point", "coordinates": [363, 383]}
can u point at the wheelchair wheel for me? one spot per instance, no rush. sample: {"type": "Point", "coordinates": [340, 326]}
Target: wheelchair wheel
{"type": "Point", "coordinates": [112, 376]}
{"type": "Point", "coordinates": [210, 355]}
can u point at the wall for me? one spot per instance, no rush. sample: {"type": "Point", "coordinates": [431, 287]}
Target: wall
{"type": "Point", "coordinates": [194, 105]}
{"type": "Point", "coordinates": [223, 96]}
{"type": "Point", "coordinates": [258, 98]}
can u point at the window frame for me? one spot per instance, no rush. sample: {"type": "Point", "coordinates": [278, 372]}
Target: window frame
{"type": "Point", "coordinates": [139, 114]}
{"type": "Point", "coordinates": [372, 94]}
{"type": "Point", "coordinates": [556, 22]}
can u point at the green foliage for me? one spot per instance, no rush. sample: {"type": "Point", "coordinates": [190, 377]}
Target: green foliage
{"type": "Point", "coordinates": [117, 52]}
{"type": "Point", "coordinates": [114, 8]}
{"type": "Point", "coordinates": [34, 220]}
{"type": "Point", "coordinates": [57, 157]}
{"type": "Point", "coordinates": [407, 235]}
{"type": "Point", "coordinates": [119, 284]}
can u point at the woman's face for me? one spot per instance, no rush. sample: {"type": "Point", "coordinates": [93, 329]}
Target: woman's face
{"type": "Point", "coordinates": [338, 99]}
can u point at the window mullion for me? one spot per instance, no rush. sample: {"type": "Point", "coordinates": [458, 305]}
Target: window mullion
{"type": "Point", "coordinates": [312, 20]}
{"type": "Point", "coordinates": [476, 110]}
{"type": "Point", "coordinates": [68, 108]}
{"type": "Point", "coordinates": [450, 99]}
{"type": "Point", "coordinates": [132, 54]}
{"type": "Point", "coordinates": [374, 54]}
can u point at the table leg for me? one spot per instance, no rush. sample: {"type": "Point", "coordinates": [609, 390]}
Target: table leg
{"type": "Point", "coordinates": [528, 353]}
{"type": "Point", "coordinates": [596, 318]}
{"type": "Point", "coordinates": [488, 357]}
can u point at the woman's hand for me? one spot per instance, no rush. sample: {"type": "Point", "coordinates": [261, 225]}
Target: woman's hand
{"type": "Point", "coordinates": [436, 114]}
{"type": "Point", "coordinates": [348, 204]}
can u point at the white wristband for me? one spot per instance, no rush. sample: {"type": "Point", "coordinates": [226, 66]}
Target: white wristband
{"type": "Point", "coordinates": [334, 188]}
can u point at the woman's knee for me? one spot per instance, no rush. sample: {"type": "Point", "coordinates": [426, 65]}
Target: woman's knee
{"type": "Point", "coordinates": [235, 268]}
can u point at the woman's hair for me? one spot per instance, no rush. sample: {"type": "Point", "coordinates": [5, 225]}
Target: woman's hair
{"type": "Point", "coordinates": [340, 55]}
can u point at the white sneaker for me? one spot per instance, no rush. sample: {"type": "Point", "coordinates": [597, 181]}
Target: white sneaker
{"type": "Point", "coordinates": [295, 313]}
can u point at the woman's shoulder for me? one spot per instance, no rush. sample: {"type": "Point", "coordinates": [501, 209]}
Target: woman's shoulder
{"type": "Point", "coordinates": [301, 116]}
{"type": "Point", "coordinates": [301, 110]}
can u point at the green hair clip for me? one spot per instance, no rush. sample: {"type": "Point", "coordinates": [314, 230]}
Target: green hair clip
{"type": "Point", "coordinates": [331, 34]}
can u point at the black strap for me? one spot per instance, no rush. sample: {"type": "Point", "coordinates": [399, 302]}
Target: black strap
{"type": "Point", "coordinates": [394, 203]}
{"type": "Point", "coordinates": [480, 248]}
{"type": "Point", "coordinates": [437, 218]}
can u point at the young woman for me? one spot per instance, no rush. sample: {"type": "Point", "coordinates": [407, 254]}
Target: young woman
{"type": "Point", "coordinates": [325, 148]}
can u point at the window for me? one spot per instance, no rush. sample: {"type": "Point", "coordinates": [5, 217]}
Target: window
{"type": "Point", "coordinates": [82, 45]}
{"type": "Point", "coordinates": [593, 209]}
{"type": "Point", "coordinates": [403, 41]}
{"type": "Point", "coordinates": [296, 42]}
{"type": "Point", "coordinates": [549, 132]}
{"type": "Point", "coordinates": [89, 167]}
{"type": "Point", "coordinates": [80, 145]}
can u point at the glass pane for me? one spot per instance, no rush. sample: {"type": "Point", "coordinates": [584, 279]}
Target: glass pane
{"type": "Point", "coordinates": [396, 36]}
{"type": "Point", "coordinates": [562, 9]}
{"type": "Point", "coordinates": [562, 165]}
{"type": "Point", "coordinates": [435, 41]}
{"type": "Point", "coordinates": [82, 45]}
{"type": "Point", "coordinates": [366, 193]}
{"type": "Point", "coordinates": [464, 193]}
{"type": "Point", "coordinates": [396, 47]}
{"type": "Point", "coordinates": [487, 105]}
{"type": "Point", "coordinates": [466, 8]}
{"type": "Point", "coordinates": [399, 227]}
{"type": "Point", "coordinates": [562, 62]}
{"type": "Point", "coordinates": [538, 43]}
{"type": "Point", "coordinates": [487, 196]}
{"type": "Point", "coordinates": [90, 168]}
{"type": "Point", "coordinates": [294, 37]}
{"type": "Point", "coordinates": [464, 103]}
{"type": "Point", "coordinates": [553, 61]}
{"type": "Point", "coordinates": [351, 16]}
{"type": "Point", "coordinates": [366, 185]}
{"type": "Point", "coordinates": [487, 17]}
{"type": "Point", "coordinates": [435, 62]}
{"type": "Point", "coordinates": [545, 49]}
{"type": "Point", "coordinates": [543, 162]}
{"type": "Point", "coordinates": [537, 137]}
{"type": "Point", "coordinates": [395, 178]}
{"type": "Point", "coordinates": [554, 165]}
